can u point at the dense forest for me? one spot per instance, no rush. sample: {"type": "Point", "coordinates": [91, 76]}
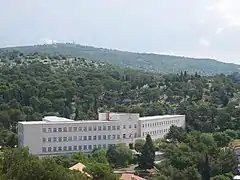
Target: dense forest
{"type": "Point", "coordinates": [34, 85]}
{"type": "Point", "coordinates": [141, 61]}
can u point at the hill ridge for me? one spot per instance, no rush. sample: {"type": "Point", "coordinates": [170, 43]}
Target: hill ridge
{"type": "Point", "coordinates": [152, 62]}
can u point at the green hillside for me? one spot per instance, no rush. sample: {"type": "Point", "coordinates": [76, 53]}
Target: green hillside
{"type": "Point", "coordinates": [142, 61]}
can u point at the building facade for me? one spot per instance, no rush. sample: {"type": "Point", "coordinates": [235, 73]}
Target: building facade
{"type": "Point", "coordinates": [55, 136]}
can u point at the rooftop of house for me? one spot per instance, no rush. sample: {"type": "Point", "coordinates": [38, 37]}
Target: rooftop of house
{"type": "Point", "coordinates": [79, 167]}
{"type": "Point", "coordinates": [127, 176]}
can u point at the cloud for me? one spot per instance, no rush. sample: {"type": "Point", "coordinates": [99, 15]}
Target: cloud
{"type": "Point", "coordinates": [219, 30]}
{"type": "Point", "coordinates": [48, 41]}
{"type": "Point", "coordinates": [202, 20]}
{"type": "Point", "coordinates": [204, 42]}
{"type": "Point", "coordinates": [227, 10]}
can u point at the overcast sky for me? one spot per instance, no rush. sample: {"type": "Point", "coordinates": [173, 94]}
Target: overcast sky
{"type": "Point", "coordinates": [196, 28]}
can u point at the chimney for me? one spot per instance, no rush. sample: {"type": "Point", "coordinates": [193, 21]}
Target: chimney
{"type": "Point", "coordinates": [108, 115]}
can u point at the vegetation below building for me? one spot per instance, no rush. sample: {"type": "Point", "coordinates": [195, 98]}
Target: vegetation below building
{"type": "Point", "coordinates": [187, 156]}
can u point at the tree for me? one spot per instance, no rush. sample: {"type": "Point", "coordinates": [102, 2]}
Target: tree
{"type": "Point", "coordinates": [147, 156]}
{"type": "Point", "coordinates": [206, 169]}
{"type": "Point", "coordinates": [138, 145]}
{"type": "Point", "coordinates": [101, 171]}
{"type": "Point", "coordinates": [17, 163]}
{"type": "Point", "coordinates": [176, 134]}
{"type": "Point", "coordinates": [222, 139]}
{"type": "Point", "coordinates": [119, 155]}
{"type": "Point", "coordinates": [100, 156]}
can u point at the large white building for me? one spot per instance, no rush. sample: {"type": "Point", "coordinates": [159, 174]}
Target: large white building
{"type": "Point", "coordinates": [55, 135]}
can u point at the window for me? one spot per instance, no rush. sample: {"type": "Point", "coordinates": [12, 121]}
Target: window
{"type": "Point", "coordinates": [70, 138]}
{"type": "Point", "coordinates": [99, 128]}
{"type": "Point", "coordinates": [75, 138]}
{"type": "Point", "coordinates": [104, 128]}
{"type": "Point", "coordinates": [64, 138]}
{"type": "Point", "coordinates": [49, 139]}
{"type": "Point", "coordinates": [44, 149]}
{"type": "Point", "coordinates": [94, 137]}
{"type": "Point", "coordinates": [114, 136]}
{"type": "Point", "coordinates": [99, 146]}
{"type": "Point", "coordinates": [79, 128]}
{"type": "Point", "coordinates": [54, 129]}
{"type": "Point", "coordinates": [124, 136]}
{"type": "Point", "coordinates": [109, 136]}
{"type": "Point", "coordinates": [80, 138]}
{"type": "Point", "coordinates": [113, 128]}
{"type": "Point", "coordinates": [124, 126]}
{"type": "Point", "coordinates": [118, 127]}
{"type": "Point", "coordinates": [64, 148]}
{"type": "Point", "coordinates": [54, 139]}
{"type": "Point", "coordinates": [135, 135]}
{"type": "Point", "coordinates": [89, 137]}
{"type": "Point", "coordinates": [74, 129]}
{"type": "Point", "coordinates": [85, 128]}
{"type": "Point", "coordinates": [44, 130]}
{"type": "Point", "coordinates": [90, 128]}
{"type": "Point", "coordinates": [75, 148]}
{"type": "Point", "coordinates": [59, 139]}
{"type": "Point", "coordinates": [135, 125]}
{"type": "Point", "coordinates": [118, 136]}
{"type": "Point", "coordinates": [70, 148]}
{"type": "Point", "coordinates": [99, 137]}
{"type": "Point", "coordinates": [104, 146]}
{"type": "Point", "coordinates": [104, 137]}
{"type": "Point", "coordinates": [54, 149]}
{"type": "Point", "coordinates": [109, 128]}
{"type": "Point", "coordinates": [70, 129]}
{"type": "Point", "coordinates": [130, 126]}
{"type": "Point", "coordinates": [44, 139]}
{"type": "Point", "coordinates": [84, 138]}
{"type": "Point", "coordinates": [59, 148]}
{"type": "Point", "coordinates": [80, 148]}
{"type": "Point", "coordinates": [89, 147]}
{"type": "Point", "coordinates": [143, 125]}
{"type": "Point", "coordinates": [65, 129]}
{"type": "Point", "coordinates": [85, 147]}
{"type": "Point", "coordinates": [49, 149]}
{"type": "Point", "coordinates": [59, 129]}
{"type": "Point", "coordinates": [94, 128]}
{"type": "Point", "coordinates": [49, 130]}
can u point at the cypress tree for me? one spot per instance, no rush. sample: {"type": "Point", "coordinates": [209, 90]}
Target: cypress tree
{"type": "Point", "coordinates": [147, 156]}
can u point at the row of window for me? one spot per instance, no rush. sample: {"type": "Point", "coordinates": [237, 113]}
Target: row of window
{"type": "Point", "coordinates": [86, 138]}
{"type": "Point", "coordinates": [157, 132]}
{"type": "Point", "coordinates": [156, 124]}
{"type": "Point", "coordinates": [74, 148]}
{"type": "Point", "coordinates": [86, 128]}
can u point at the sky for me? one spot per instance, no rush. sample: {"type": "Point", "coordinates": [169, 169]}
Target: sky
{"type": "Point", "coordinates": [194, 28]}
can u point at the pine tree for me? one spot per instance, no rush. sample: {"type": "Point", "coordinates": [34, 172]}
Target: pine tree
{"type": "Point", "coordinates": [206, 169]}
{"type": "Point", "coordinates": [147, 156]}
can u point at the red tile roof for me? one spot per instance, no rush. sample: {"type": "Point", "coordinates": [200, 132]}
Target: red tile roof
{"type": "Point", "coordinates": [130, 177]}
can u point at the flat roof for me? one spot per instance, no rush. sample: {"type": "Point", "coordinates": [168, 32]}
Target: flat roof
{"type": "Point", "coordinates": [63, 122]}
{"type": "Point", "coordinates": [159, 117]}
{"type": "Point", "coordinates": [55, 119]}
